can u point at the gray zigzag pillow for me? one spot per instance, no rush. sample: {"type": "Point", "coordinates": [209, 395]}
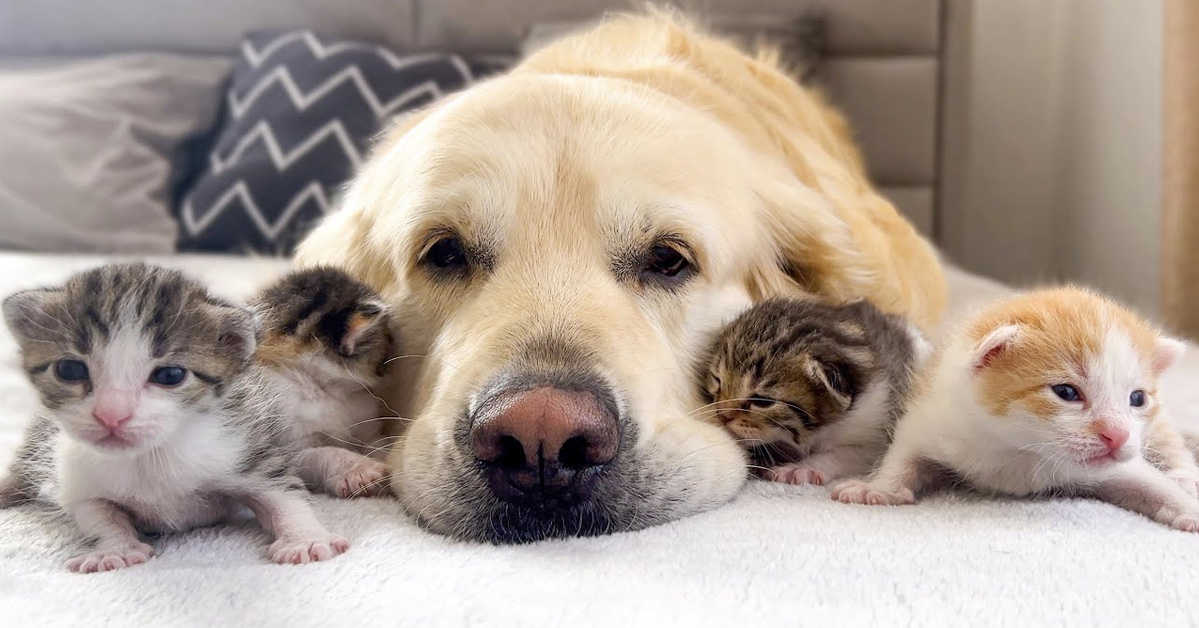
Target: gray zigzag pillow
{"type": "Point", "coordinates": [299, 115]}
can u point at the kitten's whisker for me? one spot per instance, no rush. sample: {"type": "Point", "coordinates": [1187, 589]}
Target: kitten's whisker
{"type": "Point", "coordinates": [353, 445]}
{"type": "Point", "coordinates": [376, 448]}
{"type": "Point", "coordinates": [369, 485]}
{"type": "Point", "coordinates": [402, 357]}
{"type": "Point", "coordinates": [708, 406]}
{"type": "Point", "coordinates": [423, 355]}
{"type": "Point", "coordinates": [371, 393]}
{"type": "Point", "coordinates": [397, 417]}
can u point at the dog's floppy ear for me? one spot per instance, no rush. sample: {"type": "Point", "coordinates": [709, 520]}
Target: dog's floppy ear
{"type": "Point", "coordinates": [347, 238]}
{"type": "Point", "coordinates": [343, 240]}
{"type": "Point", "coordinates": [846, 243]}
{"type": "Point", "coordinates": [814, 251]}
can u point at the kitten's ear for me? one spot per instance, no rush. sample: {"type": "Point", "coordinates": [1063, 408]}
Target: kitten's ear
{"type": "Point", "coordinates": [994, 344]}
{"type": "Point", "coordinates": [835, 380]}
{"type": "Point", "coordinates": [1166, 353]}
{"type": "Point", "coordinates": [240, 331]}
{"type": "Point", "coordinates": [27, 313]}
{"type": "Point", "coordinates": [368, 319]}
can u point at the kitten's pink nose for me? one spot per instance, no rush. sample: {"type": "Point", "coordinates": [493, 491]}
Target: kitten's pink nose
{"type": "Point", "coordinates": [1114, 436]}
{"type": "Point", "coordinates": [111, 420]}
{"type": "Point", "coordinates": [113, 408]}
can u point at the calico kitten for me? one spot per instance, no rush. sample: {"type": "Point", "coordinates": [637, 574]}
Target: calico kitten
{"type": "Point", "coordinates": [326, 344]}
{"type": "Point", "coordinates": [155, 417]}
{"type": "Point", "coordinates": [1051, 392]}
{"type": "Point", "coordinates": [812, 389]}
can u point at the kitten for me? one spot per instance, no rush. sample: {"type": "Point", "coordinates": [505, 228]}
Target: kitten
{"type": "Point", "coordinates": [812, 389]}
{"type": "Point", "coordinates": [326, 345]}
{"type": "Point", "coordinates": [1051, 392]}
{"type": "Point", "coordinates": [155, 418]}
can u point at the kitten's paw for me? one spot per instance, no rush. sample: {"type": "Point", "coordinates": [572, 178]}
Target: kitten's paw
{"type": "Point", "coordinates": [364, 479]}
{"type": "Point", "coordinates": [795, 473]}
{"type": "Point", "coordinates": [307, 550]}
{"type": "Point", "coordinates": [861, 492]}
{"type": "Point", "coordinates": [111, 558]}
{"type": "Point", "coordinates": [1185, 520]}
{"type": "Point", "coordinates": [1188, 480]}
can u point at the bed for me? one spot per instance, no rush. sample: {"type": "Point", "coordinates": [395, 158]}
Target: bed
{"type": "Point", "coordinates": [776, 555]}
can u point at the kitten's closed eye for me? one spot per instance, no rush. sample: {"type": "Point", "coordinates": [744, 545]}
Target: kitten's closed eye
{"type": "Point", "coordinates": [762, 402]}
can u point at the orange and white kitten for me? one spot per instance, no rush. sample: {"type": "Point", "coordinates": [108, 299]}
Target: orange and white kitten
{"type": "Point", "coordinates": [1048, 393]}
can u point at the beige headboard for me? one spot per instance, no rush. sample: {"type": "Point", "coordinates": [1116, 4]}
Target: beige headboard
{"type": "Point", "coordinates": [890, 64]}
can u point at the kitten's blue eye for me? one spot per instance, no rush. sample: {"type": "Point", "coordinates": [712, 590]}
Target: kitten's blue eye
{"type": "Point", "coordinates": [70, 370]}
{"type": "Point", "coordinates": [1066, 392]}
{"type": "Point", "coordinates": [168, 375]}
{"type": "Point", "coordinates": [1137, 398]}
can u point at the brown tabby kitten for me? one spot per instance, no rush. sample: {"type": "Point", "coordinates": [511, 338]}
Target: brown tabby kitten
{"type": "Point", "coordinates": [812, 390]}
{"type": "Point", "coordinates": [326, 345]}
{"type": "Point", "coordinates": [156, 419]}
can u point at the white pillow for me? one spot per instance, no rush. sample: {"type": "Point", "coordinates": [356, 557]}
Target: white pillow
{"type": "Point", "coordinates": [87, 149]}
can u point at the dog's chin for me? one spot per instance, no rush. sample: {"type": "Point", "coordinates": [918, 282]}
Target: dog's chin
{"type": "Point", "coordinates": [487, 519]}
{"type": "Point", "coordinates": [643, 487]}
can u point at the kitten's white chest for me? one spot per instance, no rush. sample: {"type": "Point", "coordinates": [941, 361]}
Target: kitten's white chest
{"type": "Point", "coordinates": [173, 487]}
{"type": "Point", "coordinates": [865, 425]}
{"type": "Point", "coordinates": [323, 402]}
{"type": "Point", "coordinates": [996, 455]}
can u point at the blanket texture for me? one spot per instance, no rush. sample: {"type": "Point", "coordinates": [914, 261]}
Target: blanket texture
{"type": "Point", "coordinates": [777, 555]}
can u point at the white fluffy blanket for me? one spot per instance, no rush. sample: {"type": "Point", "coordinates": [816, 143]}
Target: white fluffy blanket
{"type": "Point", "coordinates": [778, 555]}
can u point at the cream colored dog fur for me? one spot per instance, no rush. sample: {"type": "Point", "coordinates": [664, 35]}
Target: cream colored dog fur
{"type": "Point", "coordinates": [557, 180]}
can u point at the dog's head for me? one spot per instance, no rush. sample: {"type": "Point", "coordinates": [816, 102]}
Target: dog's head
{"type": "Point", "coordinates": [560, 252]}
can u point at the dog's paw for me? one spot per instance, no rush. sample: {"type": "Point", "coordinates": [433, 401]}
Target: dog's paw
{"type": "Point", "coordinates": [110, 558]}
{"type": "Point", "coordinates": [365, 479]}
{"type": "Point", "coordinates": [292, 551]}
{"type": "Point", "coordinates": [861, 492]}
{"type": "Point", "coordinates": [795, 473]}
{"type": "Point", "coordinates": [1188, 480]}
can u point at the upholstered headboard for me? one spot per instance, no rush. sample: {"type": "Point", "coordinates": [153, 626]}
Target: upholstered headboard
{"type": "Point", "coordinates": [890, 64]}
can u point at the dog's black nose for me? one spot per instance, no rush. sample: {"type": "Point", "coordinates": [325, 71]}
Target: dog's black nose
{"type": "Point", "coordinates": [543, 447]}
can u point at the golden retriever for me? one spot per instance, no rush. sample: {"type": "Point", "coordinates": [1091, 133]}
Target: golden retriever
{"type": "Point", "coordinates": [561, 244]}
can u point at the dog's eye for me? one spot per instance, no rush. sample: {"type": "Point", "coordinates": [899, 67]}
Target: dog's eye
{"type": "Point", "coordinates": [666, 263]}
{"type": "Point", "coordinates": [446, 254]}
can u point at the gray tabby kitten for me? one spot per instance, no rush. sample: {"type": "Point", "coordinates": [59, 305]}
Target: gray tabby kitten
{"type": "Point", "coordinates": [325, 347]}
{"type": "Point", "coordinates": [155, 417]}
{"type": "Point", "coordinates": [813, 390]}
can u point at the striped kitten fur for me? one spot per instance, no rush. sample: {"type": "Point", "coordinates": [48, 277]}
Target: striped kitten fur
{"type": "Point", "coordinates": [810, 389]}
{"type": "Point", "coordinates": [155, 418]}
{"type": "Point", "coordinates": [326, 341]}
